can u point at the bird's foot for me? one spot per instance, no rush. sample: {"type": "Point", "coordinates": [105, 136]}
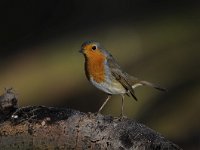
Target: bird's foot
{"type": "Point", "coordinates": [97, 113]}
{"type": "Point", "coordinates": [122, 117]}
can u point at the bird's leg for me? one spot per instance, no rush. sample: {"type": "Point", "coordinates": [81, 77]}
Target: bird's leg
{"type": "Point", "coordinates": [109, 96]}
{"type": "Point", "coordinates": [122, 108]}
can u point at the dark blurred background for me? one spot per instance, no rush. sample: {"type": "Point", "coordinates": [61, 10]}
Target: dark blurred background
{"type": "Point", "coordinates": [158, 41]}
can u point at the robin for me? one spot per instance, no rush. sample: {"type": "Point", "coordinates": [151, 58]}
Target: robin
{"type": "Point", "coordinates": [103, 72]}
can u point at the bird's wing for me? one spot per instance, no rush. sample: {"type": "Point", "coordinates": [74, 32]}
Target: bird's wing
{"type": "Point", "coordinates": [120, 76]}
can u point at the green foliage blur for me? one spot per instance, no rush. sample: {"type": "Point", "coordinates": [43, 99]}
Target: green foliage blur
{"type": "Point", "coordinates": [157, 42]}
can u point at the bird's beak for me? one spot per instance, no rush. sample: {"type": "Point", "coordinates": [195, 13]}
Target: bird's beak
{"type": "Point", "coordinates": [80, 51]}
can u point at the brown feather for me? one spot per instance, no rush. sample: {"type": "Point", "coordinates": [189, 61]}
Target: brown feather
{"type": "Point", "coordinates": [120, 76]}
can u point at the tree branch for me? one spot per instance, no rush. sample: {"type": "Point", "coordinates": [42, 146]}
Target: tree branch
{"type": "Point", "coordinates": [40, 127]}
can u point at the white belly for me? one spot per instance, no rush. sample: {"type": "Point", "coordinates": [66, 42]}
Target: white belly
{"type": "Point", "coordinates": [110, 87]}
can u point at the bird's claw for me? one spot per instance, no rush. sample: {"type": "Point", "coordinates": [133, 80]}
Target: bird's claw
{"type": "Point", "coordinates": [122, 117]}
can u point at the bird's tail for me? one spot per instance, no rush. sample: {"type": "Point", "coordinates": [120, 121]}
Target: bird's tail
{"type": "Point", "coordinates": [146, 83]}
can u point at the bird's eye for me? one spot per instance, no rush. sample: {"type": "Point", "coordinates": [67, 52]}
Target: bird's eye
{"type": "Point", "coordinates": [94, 47]}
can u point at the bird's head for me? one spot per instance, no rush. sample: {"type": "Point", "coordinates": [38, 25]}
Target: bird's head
{"type": "Point", "coordinates": [92, 49]}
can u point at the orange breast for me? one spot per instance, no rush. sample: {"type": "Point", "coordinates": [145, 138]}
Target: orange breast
{"type": "Point", "coordinates": [95, 66]}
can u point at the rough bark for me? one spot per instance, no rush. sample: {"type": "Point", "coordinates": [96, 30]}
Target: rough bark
{"type": "Point", "coordinates": [40, 127]}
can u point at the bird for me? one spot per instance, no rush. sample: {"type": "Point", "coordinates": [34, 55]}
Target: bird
{"type": "Point", "coordinates": [103, 71]}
